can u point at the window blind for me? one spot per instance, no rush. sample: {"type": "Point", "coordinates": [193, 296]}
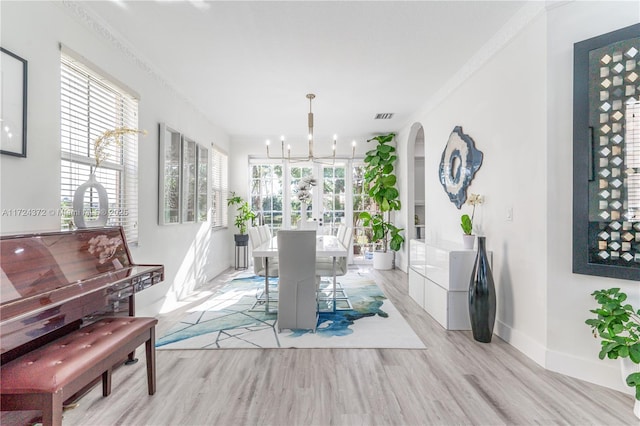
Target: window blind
{"type": "Point", "coordinates": [219, 187]}
{"type": "Point", "coordinates": [90, 105]}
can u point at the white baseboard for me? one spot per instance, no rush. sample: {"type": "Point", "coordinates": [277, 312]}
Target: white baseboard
{"type": "Point", "coordinates": [600, 372]}
{"type": "Point", "coordinates": [522, 342]}
{"type": "Point", "coordinates": [603, 373]}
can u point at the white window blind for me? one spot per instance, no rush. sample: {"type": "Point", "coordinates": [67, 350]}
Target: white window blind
{"type": "Point", "coordinates": [91, 105]}
{"type": "Point", "coordinates": [219, 188]}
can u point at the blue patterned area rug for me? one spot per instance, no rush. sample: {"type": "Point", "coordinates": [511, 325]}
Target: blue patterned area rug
{"type": "Point", "coordinates": [227, 320]}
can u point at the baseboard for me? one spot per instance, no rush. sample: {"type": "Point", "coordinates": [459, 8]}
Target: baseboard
{"type": "Point", "coordinates": [603, 373]}
{"type": "Point", "coordinates": [522, 342]}
{"type": "Point", "coordinates": [600, 372]}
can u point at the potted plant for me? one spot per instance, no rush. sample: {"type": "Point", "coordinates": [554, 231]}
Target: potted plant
{"type": "Point", "coordinates": [380, 182]}
{"type": "Point", "coordinates": [244, 214]}
{"type": "Point", "coordinates": [618, 326]}
{"type": "Point", "coordinates": [466, 222]}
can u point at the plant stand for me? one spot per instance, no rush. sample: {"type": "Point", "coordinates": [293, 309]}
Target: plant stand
{"type": "Point", "coordinates": [242, 251]}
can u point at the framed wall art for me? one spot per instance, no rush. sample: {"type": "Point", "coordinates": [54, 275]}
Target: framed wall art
{"type": "Point", "coordinates": [606, 155]}
{"type": "Point", "coordinates": [13, 110]}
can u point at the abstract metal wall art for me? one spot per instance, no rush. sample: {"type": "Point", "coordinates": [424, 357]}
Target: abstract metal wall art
{"type": "Point", "coordinates": [459, 164]}
{"type": "Point", "coordinates": [606, 154]}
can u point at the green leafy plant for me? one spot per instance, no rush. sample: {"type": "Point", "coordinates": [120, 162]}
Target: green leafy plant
{"type": "Point", "coordinates": [381, 186]}
{"type": "Point", "coordinates": [244, 212]}
{"type": "Point", "coordinates": [618, 326]}
{"type": "Point", "coordinates": [466, 222]}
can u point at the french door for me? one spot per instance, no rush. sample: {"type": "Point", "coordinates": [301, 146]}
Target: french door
{"type": "Point", "coordinates": [338, 197]}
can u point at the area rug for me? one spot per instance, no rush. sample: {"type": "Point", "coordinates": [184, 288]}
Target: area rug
{"type": "Point", "coordinates": [228, 319]}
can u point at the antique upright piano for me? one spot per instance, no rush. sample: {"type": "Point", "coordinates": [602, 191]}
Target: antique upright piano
{"type": "Point", "coordinates": [52, 283]}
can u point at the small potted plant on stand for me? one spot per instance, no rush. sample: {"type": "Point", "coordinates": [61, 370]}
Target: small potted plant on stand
{"type": "Point", "coordinates": [466, 222]}
{"type": "Point", "coordinates": [244, 214]}
{"type": "Point", "coordinates": [618, 326]}
{"type": "Point", "coordinates": [381, 184]}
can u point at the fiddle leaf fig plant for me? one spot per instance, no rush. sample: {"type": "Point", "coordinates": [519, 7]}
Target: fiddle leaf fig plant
{"type": "Point", "coordinates": [618, 326]}
{"type": "Point", "coordinates": [380, 182]}
{"type": "Point", "coordinates": [244, 215]}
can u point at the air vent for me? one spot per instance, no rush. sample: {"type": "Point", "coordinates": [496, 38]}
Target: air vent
{"type": "Point", "coordinates": [384, 116]}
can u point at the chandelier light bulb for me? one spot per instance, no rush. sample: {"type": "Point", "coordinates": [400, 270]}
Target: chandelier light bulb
{"type": "Point", "coordinates": [268, 142]}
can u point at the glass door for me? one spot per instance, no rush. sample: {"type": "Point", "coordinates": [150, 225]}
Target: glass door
{"type": "Point", "coordinates": [333, 197]}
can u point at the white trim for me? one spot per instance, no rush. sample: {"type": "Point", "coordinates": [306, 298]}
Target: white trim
{"type": "Point", "coordinates": [505, 34]}
{"type": "Point", "coordinates": [525, 344]}
{"type": "Point", "coordinates": [593, 370]}
{"type": "Point", "coordinates": [104, 31]}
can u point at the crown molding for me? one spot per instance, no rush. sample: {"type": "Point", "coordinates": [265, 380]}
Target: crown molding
{"type": "Point", "coordinates": [116, 40]}
{"type": "Point", "coordinates": [505, 34]}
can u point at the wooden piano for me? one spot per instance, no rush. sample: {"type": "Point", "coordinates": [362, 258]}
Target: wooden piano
{"type": "Point", "coordinates": [52, 283]}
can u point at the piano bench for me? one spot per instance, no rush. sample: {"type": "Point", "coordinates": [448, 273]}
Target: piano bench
{"type": "Point", "coordinates": [44, 378]}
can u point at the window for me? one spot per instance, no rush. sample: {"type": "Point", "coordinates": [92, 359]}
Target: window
{"type": "Point", "coordinates": [333, 197]}
{"type": "Point", "coordinates": [90, 104]}
{"type": "Point", "coordinates": [297, 172]}
{"type": "Point", "coordinates": [362, 246]}
{"type": "Point", "coordinates": [219, 188]}
{"type": "Point", "coordinates": [203, 172]}
{"type": "Point", "coordinates": [267, 198]}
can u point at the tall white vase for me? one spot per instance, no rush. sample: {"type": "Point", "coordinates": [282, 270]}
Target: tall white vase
{"type": "Point", "coordinates": [79, 218]}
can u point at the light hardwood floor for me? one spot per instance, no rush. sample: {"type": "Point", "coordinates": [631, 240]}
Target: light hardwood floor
{"type": "Point", "coordinates": [454, 381]}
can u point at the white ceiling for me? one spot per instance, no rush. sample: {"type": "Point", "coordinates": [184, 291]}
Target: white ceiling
{"type": "Point", "coordinates": [248, 65]}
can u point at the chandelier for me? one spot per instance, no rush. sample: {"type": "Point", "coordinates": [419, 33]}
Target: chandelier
{"type": "Point", "coordinates": [310, 156]}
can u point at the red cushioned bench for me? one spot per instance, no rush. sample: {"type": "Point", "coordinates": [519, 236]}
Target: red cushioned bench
{"type": "Point", "coordinates": [42, 379]}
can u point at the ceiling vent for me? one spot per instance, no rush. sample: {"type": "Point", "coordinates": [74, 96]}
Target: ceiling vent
{"type": "Point", "coordinates": [384, 116]}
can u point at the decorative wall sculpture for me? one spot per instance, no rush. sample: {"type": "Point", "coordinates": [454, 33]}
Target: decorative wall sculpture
{"type": "Point", "coordinates": [606, 144]}
{"type": "Point", "coordinates": [459, 164]}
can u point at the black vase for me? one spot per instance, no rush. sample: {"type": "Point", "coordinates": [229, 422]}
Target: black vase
{"type": "Point", "coordinates": [482, 296]}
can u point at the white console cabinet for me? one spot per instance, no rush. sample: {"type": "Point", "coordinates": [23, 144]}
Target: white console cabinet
{"type": "Point", "coordinates": [439, 278]}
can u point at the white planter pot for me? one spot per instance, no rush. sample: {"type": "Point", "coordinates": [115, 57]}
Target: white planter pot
{"type": "Point", "coordinates": [468, 241]}
{"type": "Point", "coordinates": [628, 367]}
{"type": "Point", "coordinates": [383, 261]}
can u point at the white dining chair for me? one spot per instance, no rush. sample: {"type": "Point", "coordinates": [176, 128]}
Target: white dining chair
{"type": "Point", "coordinates": [265, 233]}
{"type": "Point", "coordinates": [298, 283]}
{"type": "Point", "coordinates": [258, 262]}
{"type": "Point", "coordinates": [324, 265]}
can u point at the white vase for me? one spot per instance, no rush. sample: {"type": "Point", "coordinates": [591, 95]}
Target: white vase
{"type": "Point", "coordinates": [468, 241]}
{"type": "Point", "coordinates": [79, 218]}
{"type": "Point", "coordinates": [629, 367]}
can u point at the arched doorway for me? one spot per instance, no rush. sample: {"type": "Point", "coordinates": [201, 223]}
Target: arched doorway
{"type": "Point", "coordinates": [416, 179]}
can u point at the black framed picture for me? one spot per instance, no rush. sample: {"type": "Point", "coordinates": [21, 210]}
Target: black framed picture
{"type": "Point", "coordinates": [13, 90]}
{"type": "Point", "coordinates": [606, 155]}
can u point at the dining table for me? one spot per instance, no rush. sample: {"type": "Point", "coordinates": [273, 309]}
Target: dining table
{"type": "Point", "coordinates": [326, 246]}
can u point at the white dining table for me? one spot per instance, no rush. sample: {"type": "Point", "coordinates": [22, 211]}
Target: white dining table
{"type": "Point", "coordinates": [326, 246]}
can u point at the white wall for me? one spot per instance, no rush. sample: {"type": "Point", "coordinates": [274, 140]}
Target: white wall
{"type": "Point", "coordinates": [191, 253]}
{"type": "Point", "coordinates": [571, 348]}
{"type": "Point", "coordinates": [518, 109]}
{"type": "Point", "coordinates": [502, 107]}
